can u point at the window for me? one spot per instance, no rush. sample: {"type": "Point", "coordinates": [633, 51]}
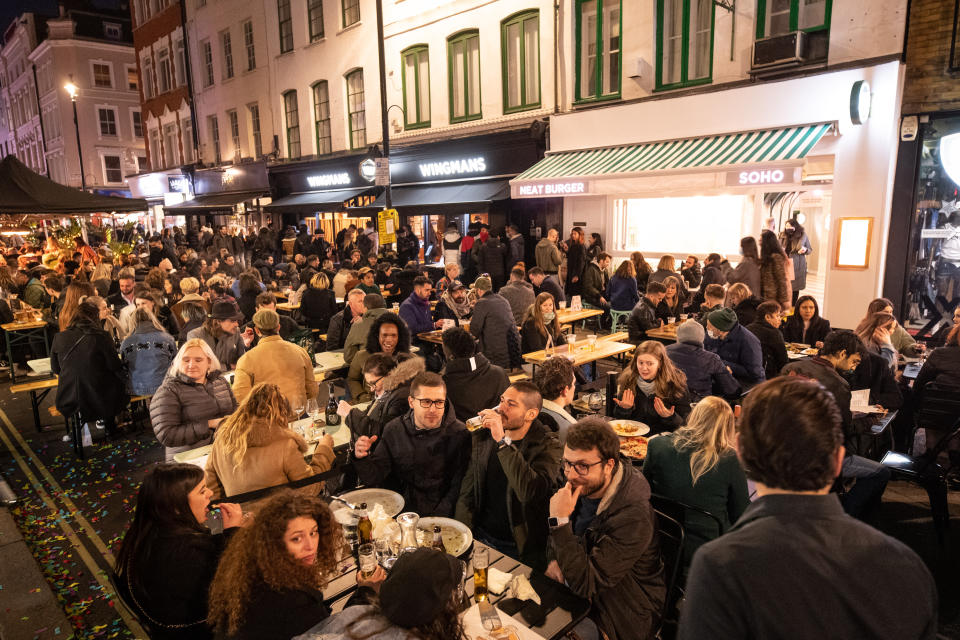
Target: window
{"type": "Point", "coordinates": [351, 12]}
{"type": "Point", "coordinates": [180, 60]}
{"type": "Point", "coordinates": [293, 123]}
{"type": "Point", "coordinates": [598, 49]}
{"type": "Point", "coordinates": [137, 123]}
{"type": "Point", "coordinates": [102, 76]}
{"type": "Point", "coordinates": [416, 87]}
{"type": "Point", "coordinates": [248, 44]}
{"type": "Point", "coordinates": [227, 49]}
{"type": "Point", "coordinates": [356, 110]}
{"type": "Point", "coordinates": [170, 144]}
{"type": "Point", "coordinates": [315, 19]}
{"type": "Point", "coordinates": [147, 65]}
{"type": "Point", "coordinates": [164, 70]}
{"type": "Point", "coordinates": [112, 31]}
{"type": "Point", "coordinates": [234, 131]}
{"type": "Point", "coordinates": [207, 63]}
{"type": "Point", "coordinates": [463, 53]}
{"type": "Point", "coordinates": [255, 130]}
{"type": "Point", "coordinates": [685, 37]}
{"type": "Point", "coordinates": [133, 80]}
{"type": "Point", "coordinates": [520, 48]}
{"type": "Point", "coordinates": [214, 137]}
{"type": "Point", "coordinates": [141, 164]}
{"type": "Point", "coordinates": [286, 25]}
{"type": "Point", "coordinates": [112, 171]}
{"type": "Point", "coordinates": [776, 17]}
{"type": "Point", "coordinates": [108, 121]}
{"type": "Point", "coordinates": [321, 117]}
{"type": "Point", "coordinates": [186, 140]}
{"type": "Point", "coordinates": [155, 148]}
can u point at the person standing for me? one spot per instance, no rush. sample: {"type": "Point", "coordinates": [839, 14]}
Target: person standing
{"type": "Point", "coordinates": [516, 248]}
{"type": "Point", "coordinates": [519, 293]}
{"type": "Point", "coordinates": [796, 245]}
{"type": "Point", "coordinates": [773, 276]}
{"type": "Point", "coordinates": [549, 257]}
{"type": "Point", "coordinates": [747, 270]}
{"type": "Point", "coordinates": [451, 245]}
{"type": "Point", "coordinates": [576, 262]}
{"type": "Point", "coordinates": [594, 246]}
{"type": "Point", "coordinates": [491, 258]}
{"type": "Point", "coordinates": [595, 281]}
{"type": "Point", "coordinates": [514, 463]}
{"type": "Point", "coordinates": [493, 325]}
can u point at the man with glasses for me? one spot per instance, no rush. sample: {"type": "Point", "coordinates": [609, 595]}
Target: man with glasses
{"type": "Point", "coordinates": [603, 541]}
{"type": "Point", "coordinates": [422, 455]}
{"type": "Point", "coordinates": [514, 463]}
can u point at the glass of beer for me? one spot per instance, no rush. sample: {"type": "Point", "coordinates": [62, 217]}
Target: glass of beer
{"type": "Point", "coordinates": [474, 423]}
{"type": "Point", "coordinates": [481, 560]}
{"type": "Point", "coordinates": [367, 558]}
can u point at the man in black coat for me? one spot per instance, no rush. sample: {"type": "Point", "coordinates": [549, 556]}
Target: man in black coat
{"type": "Point", "coordinates": [644, 314]}
{"type": "Point", "coordinates": [767, 329]}
{"type": "Point", "coordinates": [543, 283]}
{"type": "Point", "coordinates": [473, 383]}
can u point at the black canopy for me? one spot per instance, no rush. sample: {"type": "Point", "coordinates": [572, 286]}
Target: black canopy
{"type": "Point", "coordinates": [24, 191]}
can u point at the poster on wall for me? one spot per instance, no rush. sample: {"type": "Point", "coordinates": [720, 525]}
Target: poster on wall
{"type": "Point", "coordinates": [388, 221]}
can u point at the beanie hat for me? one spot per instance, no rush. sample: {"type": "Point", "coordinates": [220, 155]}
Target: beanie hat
{"type": "Point", "coordinates": [266, 320]}
{"type": "Point", "coordinates": [723, 319]}
{"type": "Point", "coordinates": [691, 332]}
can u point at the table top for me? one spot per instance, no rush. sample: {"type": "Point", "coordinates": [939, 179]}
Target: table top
{"type": "Point", "coordinates": [582, 353]}
{"type": "Point", "coordinates": [35, 385]}
{"type": "Point", "coordinates": [666, 332]}
{"type": "Point", "coordinates": [565, 316]}
{"type": "Point", "coordinates": [22, 326]}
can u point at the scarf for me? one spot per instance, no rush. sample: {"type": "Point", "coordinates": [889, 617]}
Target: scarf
{"type": "Point", "coordinates": [647, 388]}
{"type": "Point", "coordinates": [461, 310]}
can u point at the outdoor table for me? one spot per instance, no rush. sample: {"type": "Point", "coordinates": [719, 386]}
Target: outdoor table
{"type": "Point", "coordinates": [666, 333]}
{"type": "Point", "coordinates": [24, 332]}
{"type": "Point", "coordinates": [582, 353]}
{"type": "Point", "coordinates": [436, 336]}
{"type": "Point", "coordinates": [795, 351]}
{"type": "Point", "coordinates": [619, 336]}
{"type": "Point", "coordinates": [286, 306]}
{"type": "Point", "coordinates": [38, 391]}
{"type": "Point", "coordinates": [567, 316]}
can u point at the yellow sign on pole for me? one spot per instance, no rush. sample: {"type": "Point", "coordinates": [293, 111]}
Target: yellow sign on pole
{"type": "Point", "coordinates": [388, 221]}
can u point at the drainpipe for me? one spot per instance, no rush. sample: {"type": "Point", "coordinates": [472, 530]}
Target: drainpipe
{"type": "Point", "coordinates": [186, 63]}
{"type": "Point", "coordinates": [556, 55]}
{"type": "Point", "coordinates": [43, 136]}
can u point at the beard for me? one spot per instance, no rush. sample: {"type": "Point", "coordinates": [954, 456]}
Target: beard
{"type": "Point", "coordinates": [588, 487]}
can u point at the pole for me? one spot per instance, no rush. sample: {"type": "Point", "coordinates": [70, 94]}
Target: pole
{"type": "Point", "coordinates": [76, 127]}
{"type": "Point", "coordinates": [384, 124]}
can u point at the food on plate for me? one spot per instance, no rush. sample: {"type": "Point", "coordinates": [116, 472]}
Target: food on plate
{"type": "Point", "coordinates": [625, 427]}
{"type": "Point", "coordinates": [634, 447]}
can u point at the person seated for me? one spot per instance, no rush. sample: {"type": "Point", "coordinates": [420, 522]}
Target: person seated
{"type": "Point", "coordinates": [541, 328]}
{"type": "Point", "coordinates": [147, 353]}
{"type": "Point", "coordinates": [603, 542]}
{"type": "Point", "coordinates": [902, 341]}
{"type": "Point", "coordinates": [405, 278]}
{"type": "Point", "coordinates": [546, 283]}
{"type": "Point", "coordinates": [168, 556]}
{"type": "Point", "coordinates": [876, 333]}
{"type": "Point", "coordinates": [422, 455]}
{"type": "Point", "coordinates": [738, 348]}
{"type": "Point", "coordinates": [674, 300]}
{"type": "Point", "coordinates": [622, 289]}
{"type": "Point", "coordinates": [697, 465]}
{"type": "Point", "coordinates": [386, 278]}
{"type": "Point", "coordinates": [873, 373]}
{"type": "Point", "coordinates": [713, 299]}
{"type": "Point", "coordinates": [705, 371]}
{"type": "Point", "coordinates": [388, 334]}
{"type": "Point", "coordinates": [343, 320]}
{"type": "Point", "coordinates": [388, 379]}
{"type": "Point", "coordinates": [454, 304]}
{"type": "Point", "coordinates": [374, 306]}
{"type": "Point", "coordinates": [221, 332]}
{"type": "Point", "coordinates": [942, 367]}
{"type": "Point", "coordinates": [368, 281]}
{"type": "Point", "coordinates": [712, 274]}
{"type": "Point", "coordinates": [767, 330]}
{"type": "Point", "coordinates": [255, 447]}
{"type": "Point", "coordinates": [318, 303]}
{"type": "Point", "coordinates": [790, 445]}
{"type": "Point", "coordinates": [519, 293]}
{"type": "Point", "coordinates": [270, 581]}
{"type": "Point", "coordinates": [473, 383]}
{"type": "Point", "coordinates": [595, 280]}
{"type": "Point", "coordinates": [804, 325]}
{"type": "Point", "coordinates": [691, 272]}
{"type": "Point", "coordinates": [194, 314]}
{"type": "Point", "coordinates": [493, 325]}
{"type": "Point", "coordinates": [248, 289]}
{"type": "Point", "coordinates": [451, 275]}
{"type": "Point", "coordinates": [288, 326]}
{"type": "Point", "coordinates": [557, 382]}
{"type": "Point", "coordinates": [652, 390]}
{"type": "Point", "coordinates": [741, 299]}
{"type": "Point", "coordinates": [644, 315]}
{"type": "Point", "coordinates": [415, 310]}
{"type": "Point", "coordinates": [339, 282]}
{"type": "Point", "coordinates": [666, 267]}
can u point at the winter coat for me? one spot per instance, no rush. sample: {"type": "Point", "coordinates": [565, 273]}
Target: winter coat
{"type": "Point", "coordinates": [576, 263]}
{"type": "Point", "coordinates": [741, 351]}
{"type": "Point", "coordinates": [181, 408]}
{"type": "Point", "coordinates": [357, 621]}
{"type": "Point", "coordinates": [692, 275]}
{"type": "Point", "coordinates": [873, 373]}
{"type": "Point", "coordinates": [228, 348]}
{"type": "Point", "coordinates": [643, 411]}
{"type": "Point", "coordinates": [91, 378]}
{"type": "Point", "coordinates": [747, 271]}
{"type": "Point", "coordinates": [903, 342]}
{"type": "Point", "coordinates": [492, 323]}
{"type": "Point", "coordinates": [516, 253]}
{"type": "Point", "coordinates": [273, 614]}
{"type": "Point", "coordinates": [792, 246]}
{"type": "Point", "coordinates": [355, 382]}
{"type": "Point", "coordinates": [405, 278]}
{"type": "Point", "coordinates": [270, 460]}
{"type": "Point", "coordinates": [705, 371]}
{"type": "Point", "coordinates": [532, 340]}
{"type": "Point", "coordinates": [451, 247]}
{"type": "Point", "coordinates": [520, 295]}
{"type": "Point", "coordinates": [35, 295]}
{"type": "Point", "coordinates": [392, 404]}
{"type": "Point", "coordinates": [491, 259]}
{"type": "Point", "coordinates": [357, 336]}
{"type": "Point", "coordinates": [622, 293]}
{"type": "Point", "coordinates": [552, 286]}
{"type": "Point", "coordinates": [615, 563]}
{"type": "Point", "coordinates": [712, 274]}
{"type": "Point", "coordinates": [941, 366]}
{"type": "Point", "coordinates": [426, 466]}
{"type": "Point", "coordinates": [532, 466]}
{"type": "Point", "coordinates": [772, 347]}
{"type": "Point", "coordinates": [338, 328]}
{"type": "Point", "coordinates": [661, 274]}
{"type": "Point", "coordinates": [278, 362]}
{"type": "Point", "coordinates": [317, 306]}
{"type": "Point", "coordinates": [415, 311]}
{"type": "Point", "coordinates": [408, 248]}
{"type": "Point", "coordinates": [147, 354]}
{"type": "Point", "coordinates": [641, 319]}
{"type": "Point", "coordinates": [548, 256]}
{"type": "Point", "coordinates": [793, 330]}
{"type": "Point", "coordinates": [594, 284]}
{"type": "Point", "coordinates": [746, 310]}
{"type": "Point", "coordinates": [773, 281]}
{"type": "Point", "coordinates": [473, 384]}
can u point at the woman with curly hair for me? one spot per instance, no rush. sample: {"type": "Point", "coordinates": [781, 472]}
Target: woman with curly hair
{"type": "Point", "coordinates": [270, 580]}
{"type": "Point", "coordinates": [541, 326]}
{"type": "Point", "coordinates": [255, 447]}
{"type": "Point", "coordinates": [653, 390]}
{"type": "Point", "coordinates": [388, 334]}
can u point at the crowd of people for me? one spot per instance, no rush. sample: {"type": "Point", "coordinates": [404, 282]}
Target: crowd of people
{"type": "Point", "coordinates": [195, 327]}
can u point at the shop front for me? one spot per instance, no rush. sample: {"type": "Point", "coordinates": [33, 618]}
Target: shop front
{"type": "Point", "coordinates": [232, 196]}
{"type": "Point", "coordinates": [695, 174]}
{"type": "Point", "coordinates": [161, 189]}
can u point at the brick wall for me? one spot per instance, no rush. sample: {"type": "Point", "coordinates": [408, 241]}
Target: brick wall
{"type": "Point", "coordinates": [929, 85]}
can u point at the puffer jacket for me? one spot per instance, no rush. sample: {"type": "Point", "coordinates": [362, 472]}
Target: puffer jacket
{"type": "Point", "coordinates": [451, 247]}
{"type": "Point", "coordinates": [622, 293]}
{"type": "Point", "coordinates": [181, 408]}
{"type": "Point", "coordinates": [491, 259]}
{"type": "Point", "coordinates": [705, 371]}
{"type": "Point", "coordinates": [228, 348]}
{"type": "Point", "coordinates": [338, 328]}
{"type": "Point", "coordinates": [740, 351]}
{"type": "Point", "coordinates": [548, 256]}
{"type": "Point", "coordinates": [474, 384]}
{"type": "Point", "coordinates": [494, 326]}
{"type": "Point", "coordinates": [520, 295]}
{"type": "Point", "coordinates": [147, 354]}
{"type": "Point", "coordinates": [392, 404]}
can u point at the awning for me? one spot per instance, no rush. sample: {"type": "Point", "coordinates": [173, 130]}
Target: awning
{"type": "Point", "coordinates": [313, 201]}
{"type": "Point", "coordinates": [446, 195]}
{"type": "Point", "coordinates": [752, 147]}
{"type": "Point", "coordinates": [213, 202]}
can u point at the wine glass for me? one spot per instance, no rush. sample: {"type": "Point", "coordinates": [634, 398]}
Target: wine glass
{"type": "Point", "coordinates": [596, 401]}
{"type": "Point", "coordinates": [297, 410]}
{"type": "Point", "coordinates": [313, 409]}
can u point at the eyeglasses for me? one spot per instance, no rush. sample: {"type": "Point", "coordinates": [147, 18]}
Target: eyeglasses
{"type": "Point", "coordinates": [582, 468]}
{"type": "Point", "coordinates": [426, 403]}
{"type": "Point", "coordinates": [371, 385]}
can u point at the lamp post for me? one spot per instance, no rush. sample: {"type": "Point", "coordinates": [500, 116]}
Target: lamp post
{"type": "Point", "coordinates": [72, 90]}
{"type": "Point", "coordinates": [384, 122]}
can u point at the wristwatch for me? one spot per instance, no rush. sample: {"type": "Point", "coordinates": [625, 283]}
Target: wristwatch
{"type": "Point", "coordinates": [505, 441]}
{"type": "Point", "coordinates": [557, 522]}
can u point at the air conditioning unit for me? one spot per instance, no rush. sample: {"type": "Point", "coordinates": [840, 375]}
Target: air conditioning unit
{"type": "Point", "coordinates": [787, 50]}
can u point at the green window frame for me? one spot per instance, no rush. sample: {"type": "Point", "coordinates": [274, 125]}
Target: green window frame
{"type": "Point", "coordinates": [521, 67]}
{"type": "Point", "coordinates": [321, 117]}
{"type": "Point", "coordinates": [350, 12]}
{"type": "Point", "coordinates": [356, 109]}
{"type": "Point", "coordinates": [598, 67]}
{"type": "Point", "coordinates": [684, 27]}
{"type": "Point", "coordinates": [415, 62]}
{"type": "Point", "coordinates": [795, 12]}
{"type": "Point", "coordinates": [292, 113]}
{"type": "Point", "coordinates": [463, 76]}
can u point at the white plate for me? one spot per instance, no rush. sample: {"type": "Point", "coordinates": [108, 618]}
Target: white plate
{"type": "Point", "coordinates": [448, 527]}
{"type": "Point", "coordinates": [641, 428]}
{"type": "Point", "coordinates": [391, 501]}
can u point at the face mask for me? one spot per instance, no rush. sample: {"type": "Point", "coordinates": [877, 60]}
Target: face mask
{"type": "Point", "coordinates": [549, 316]}
{"type": "Point", "coordinates": [713, 334]}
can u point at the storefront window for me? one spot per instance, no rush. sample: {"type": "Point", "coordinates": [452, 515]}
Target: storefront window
{"type": "Point", "coordinates": [520, 48]}
{"type": "Point", "coordinates": [416, 87]}
{"type": "Point", "coordinates": [712, 224]}
{"type": "Point", "coordinates": [777, 17]}
{"type": "Point", "coordinates": [685, 35]}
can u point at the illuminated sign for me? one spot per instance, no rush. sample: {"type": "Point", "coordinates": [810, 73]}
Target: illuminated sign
{"type": "Point", "coordinates": [178, 184]}
{"type": "Point", "coordinates": [368, 170]}
{"type": "Point", "coordinates": [328, 180]}
{"type": "Point", "coordinates": [453, 167]}
{"type": "Point", "coordinates": [550, 189]}
{"type": "Point", "coordinates": [761, 176]}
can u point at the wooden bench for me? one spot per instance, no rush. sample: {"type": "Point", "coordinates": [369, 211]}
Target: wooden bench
{"type": "Point", "coordinates": [519, 376]}
{"type": "Point", "coordinates": [38, 390]}
{"type": "Point", "coordinates": [619, 336]}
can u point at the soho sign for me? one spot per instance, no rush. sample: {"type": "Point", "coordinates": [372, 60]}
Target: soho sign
{"type": "Point", "coordinates": [771, 175]}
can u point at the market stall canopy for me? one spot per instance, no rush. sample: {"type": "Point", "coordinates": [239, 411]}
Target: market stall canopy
{"type": "Point", "coordinates": [25, 191]}
{"type": "Point", "coordinates": [317, 201]}
{"type": "Point", "coordinates": [212, 203]}
{"type": "Point", "coordinates": [438, 196]}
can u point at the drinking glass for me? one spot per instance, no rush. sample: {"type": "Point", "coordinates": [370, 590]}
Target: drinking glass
{"type": "Point", "coordinates": [314, 410]}
{"type": "Point", "coordinates": [367, 557]}
{"type": "Point", "coordinates": [481, 560]}
{"type": "Point", "coordinates": [671, 320]}
{"type": "Point", "coordinates": [592, 341]}
{"type": "Point", "coordinates": [596, 401]}
{"type": "Point", "coordinates": [297, 410]}
{"type": "Point", "coordinates": [563, 304]}
{"type": "Point", "coordinates": [571, 343]}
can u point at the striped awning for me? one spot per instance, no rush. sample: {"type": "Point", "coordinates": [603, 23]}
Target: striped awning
{"type": "Point", "coordinates": [752, 147]}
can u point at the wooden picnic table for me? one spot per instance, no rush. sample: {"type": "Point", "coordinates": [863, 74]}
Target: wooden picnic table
{"type": "Point", "coordinates": [38, 390]}
{"type": "Point", "coordinates": [666, 333]}
{"type": "Point", "coordinates": [582, 353]}
{"type": "Point", "coordinates": [24, 332]}
{"type": "Point", "coordinates": [566, 316]}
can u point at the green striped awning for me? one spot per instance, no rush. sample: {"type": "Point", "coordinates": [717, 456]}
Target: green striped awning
{"type": "Point", "coordinates": [765, 146]}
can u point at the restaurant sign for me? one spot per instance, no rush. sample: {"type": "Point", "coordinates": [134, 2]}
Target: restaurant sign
{"type": "Point", "coordinates": [757, 176]}
{"type": "Point", "coordinates": [550, 189]}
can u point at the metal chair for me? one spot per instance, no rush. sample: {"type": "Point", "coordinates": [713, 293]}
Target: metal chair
{"type": "Point", "coordinates": [672, 538]}
{"type": "Point", "coordinates": [617, 318]}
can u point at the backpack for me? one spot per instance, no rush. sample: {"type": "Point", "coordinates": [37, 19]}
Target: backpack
{"type": "Point", "coordinates": [305, 339]}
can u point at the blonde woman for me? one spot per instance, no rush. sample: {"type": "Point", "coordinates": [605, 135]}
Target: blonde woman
{"type": "Point", "coordinates": [697, 465]}
{"type": "Point", "coordinates": [256, 449]}
{"type": "Point", "coordinates": [541, 326]}
{"type": "Point", "coordinates": [653, 390]}
{"type": "Point", "coordinates": [876, 331]}
{"type": "Point", "coordinates": [741, 299]}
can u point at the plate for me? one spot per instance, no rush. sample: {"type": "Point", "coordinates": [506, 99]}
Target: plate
{"type": "Point", "coordinates": [634, 447]}
{"type": "Point", "coordinates": [456, 536]}
{"type": "Point", "coordinates": [625, 428]}
{"type": "Point", "coordinates": [391, 501]}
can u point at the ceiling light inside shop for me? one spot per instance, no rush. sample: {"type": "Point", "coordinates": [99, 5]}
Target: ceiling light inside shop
{"type": "Point", "coordinates": [950, 156]}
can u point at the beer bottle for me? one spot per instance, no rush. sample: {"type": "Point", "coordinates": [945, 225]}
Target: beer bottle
{"type": "Point", "coordinates": [333, 418]}
{"type": "Point", "coordinates": [437, 539]}
{"type": "Point", "coordinates": [364, 526]}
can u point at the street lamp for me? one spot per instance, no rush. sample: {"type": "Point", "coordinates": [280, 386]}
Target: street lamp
{"type": "Point", "coordinates": [72, 89]}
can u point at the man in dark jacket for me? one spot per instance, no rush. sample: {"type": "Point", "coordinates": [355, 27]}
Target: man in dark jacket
{"type": "Point", "coordinates": [423, 454]}
{"type": "Point", "coordinates": [515, 246]}
{"type": "Point", "coordinates": [415, 310]}
{"type": "Point", "coordinates": [595, 280]}
{"type": "Point", "coordinates": [472, 382]}
{"type": "Point", "coordinates": [767, 329]}
{"type": "Point", "coordinates": [544, 283]}
{"type": "Point", "coordinates": [342, 321]}
{"type": "Point", "coordinates": [491, 258]}
{"type": "Point", "coordinates": [159, 251]}
{"type": "Point", "coordinates": [514, 464]}
{"type": "Point", "coordinates": [644, 315]}
{"type": "Point", "coordinates": [518, 293]}
{"type": "Point", "coordinates": [603, 537]}
{"type": "Point", "coordinates": [738, 348]}
{"type": "Point", "coordinates": [493, 325]}
{"type": "Point", "coordinates": [705, 371]}
{"type": "Point", "coordinates": [793, 549]}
